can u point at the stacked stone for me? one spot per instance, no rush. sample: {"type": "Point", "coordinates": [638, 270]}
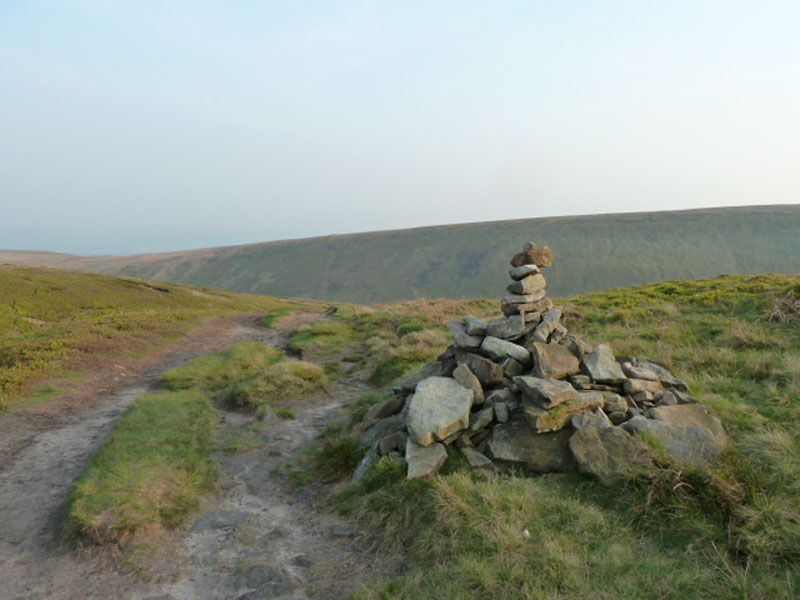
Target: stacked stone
{"type": "Point", "coordinates": [522, 392]}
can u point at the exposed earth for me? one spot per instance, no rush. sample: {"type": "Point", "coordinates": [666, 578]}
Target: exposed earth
{"type": "Point", "coordinates": [258, 537]}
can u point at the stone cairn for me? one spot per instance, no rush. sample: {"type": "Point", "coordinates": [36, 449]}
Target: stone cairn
{"type": "Point", "coordinates": [522, 392]}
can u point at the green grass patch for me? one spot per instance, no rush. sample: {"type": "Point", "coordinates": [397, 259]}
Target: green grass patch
{"type": "Point", "coordinates": [322, 337]}
{"type": "Point", "coordinates": [268, 321]}
{"type": "Point", "coordinates": [150, 473]}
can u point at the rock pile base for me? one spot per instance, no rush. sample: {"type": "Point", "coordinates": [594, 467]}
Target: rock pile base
{"type": "Point", "coordinates": [523, 392]}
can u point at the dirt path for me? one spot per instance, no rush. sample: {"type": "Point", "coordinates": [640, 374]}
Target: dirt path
{"type": "Point", "coordinates": [258, 538]}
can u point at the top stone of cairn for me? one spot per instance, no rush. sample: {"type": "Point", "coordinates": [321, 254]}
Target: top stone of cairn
{"type": "Point", "coordinates": [533, 255]}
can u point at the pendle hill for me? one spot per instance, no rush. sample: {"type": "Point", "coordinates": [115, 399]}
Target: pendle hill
{"type": "Point", "coordinates": [595, 252]}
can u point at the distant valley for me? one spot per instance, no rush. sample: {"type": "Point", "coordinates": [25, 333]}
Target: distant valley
{"type": "Point", "coordinates": [591, 253]}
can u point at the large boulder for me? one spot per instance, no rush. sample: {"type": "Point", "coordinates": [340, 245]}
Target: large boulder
{"type": "Point", "coordinates": [514, 444]}
{"type": "Point", "coordinates": [553, 361]}
{"type": "Point", "coordinates": [439, 408]}
{"type": "Point", "coordinates": [692, 415]}
{"type": "Point", "coordinates": [602, 366]}
{"type": "Point", "coordinates": [501, 349]}
{"type": "Point", "coordinates": [424, 461]}
{"type": "Point", "coordinates": [556, 418]}
{"type": "Point", "coordinates": [488, 373]}
{"type": "Point", "coordinates": [467, 379]}
{"type": "Point", "coordinates": [686, 444]}
{"type": "Point", "coordinates": [609, 453]}
{"type": "Point", "coordinates": [545, 393]}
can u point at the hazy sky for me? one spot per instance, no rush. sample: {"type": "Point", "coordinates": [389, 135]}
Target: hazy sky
{"type": "Point", "coordinates": [151, 125]}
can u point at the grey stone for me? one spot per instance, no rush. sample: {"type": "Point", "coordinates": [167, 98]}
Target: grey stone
{"type": "Point", "coordinates": [461, 339]}
{"type": "Point", "coordinates": [522, 271]}
{"type": "Point", "coordinates": [474, 326]}
{"type": "Point", "coordinates": [508, 328]}
{"type": "Point", "coordinates": [501, 412]}
{"type": "Point", "coordinates": [529, 309]}
{"type": "Point", "coordinates": [477, 460]}
{"type": "Point", "coordinates": [576, 345]}
{"type": "Point", "coordinates": [533, 255]}
{"type": "Point", "coordinates": [639, 372]}
{"type": "Point", "coordinates": [690, 445]}
{"type": "Point", "coordinates": [528, 285]}
{"type": "Point", "coordinates": [487, 372]}
{"type": "Point", "coordinates": [409, 384]}
{"type": "Point", "coordinates": [393, 441]}
{"type": "Point", "coordinates": [553, 361]}
{"type": "Point", "coordinates": [545, 420]}
{"type": "Point", "coordinates": [382, 428]}
{"type": "Point", "coordinates": [424, 460]}
{"type": "Point", "coordinates": [618, 417]}
{"type": "Point", "coordinates": [558, 334]}
{"type": "Point", "coordinates": [499, 395]}
{"type": "Point", "coordinates": [593, 418]}
{"type": "Point", "coordinates": [609, 454]}
{"type": "Point", "coordinates": [580, 379]}
{"type": "Point", "coordinates": [514, 444]}
{"type": "Point", "coordinates": [511, 368]}
{"type": "Point", "coordinates": [602, 366]}
{"type": "Point", "coordinates": [481, 419]}
{"type": "Point", "coordinates": [302, 560]}
{"type": "Point", "coordinates": [218, 519]}
{"type": "Point", "coordinates": [501, 349]}
{"type": "Point", "coordinates": [524, 298]}
{"type": "Point", "coordinates": [695, 415]}
{"type": "Point", "coordinates": [634, 386]}
{"type": "Point", "coordinates": [439, 408]}
{"type": "Point", "coordinates": [664, 375]}
{"type": "Point", "coordinates": [546, 393]}
{"type": "Point", "coordinates": [548, 323]}
{"type": "Point", "coordinates": [666, 399]}
{"type": "Point", "coordinates": [370, 458]}
{"type": "Point", "coordinates": [467, 379]}
{"type": "Point", "coordinates": [381, 410]}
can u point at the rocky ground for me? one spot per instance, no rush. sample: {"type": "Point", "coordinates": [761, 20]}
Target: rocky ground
{"type": "Point", "coordinates": [259, 537]}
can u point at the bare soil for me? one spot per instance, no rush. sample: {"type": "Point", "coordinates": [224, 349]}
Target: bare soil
{"type": "Point", "coordinates": [258, 537]}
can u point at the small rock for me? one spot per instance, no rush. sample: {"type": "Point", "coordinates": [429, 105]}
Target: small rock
{"type": "Point", "coordinates": [424, 460]}
{"type": "Point", "coordinates": [553, 361]}
{"type": "Point", "coordinates": [432, 370]}
{"type": "Point", "coordinates": [511, 368]}
{"type": "Point", "coordinates": [501, 412]}
{"type": "Point", "coordinates": [593, 418]}
{"type": "Point", "coordinates": [439, 408]}
{"type": "Point", "coordinates": [487, 372]}
{"type": "Point", "coordinates": [576, 345]}
{"type": "Point", "coordinates": [524, 298]}
{"type": "Point", "coordinates": [614, 402]}
{"type": "Point", "coordinates": [381, 410]}
{"type": "Point", "coordinates": [602, 366]}
{"type": "Point", "coordinates": [302, 560]}
{"type": "Point", "coordinates": [666, 399]}
{"type": "Point", "coordinates": [370, 458]}
{"type": "Point", "coordinates": [547, 325]}
{"type": "Point", "coordinates": [545, 420]}
{"type": "Point", "coordinates": [618, 417]}
{"type": "Point", "coordinates": [664, 375]}
{"type": "Point", "coordinates": [634, 386]}
{"type": "Point", "coordinates": [529, 285]}
{"type": "Point", "coordinates": [474, 326]}
{"type": "Point", "coordinates": [500, 349]}
{"type": "Point", "coordinates": [481, 419]}
{"type": "Point", "coordinates": [393, 441]}
{"type": "Point", "coordinates": [523, 271]}
{"type": "Point", "coordinates": [558, 334]}
{"type": "Point", "coordinates": [467, 379]}
{"type": "Point", "coordinates": [533, 255]}
{"type": "Point", "coordinates": [508, 328]}
{"type": "Point", "coordinates": [546, 393]}
{"type": "Point", "coordinates": [477, 460]}
{"type": "Point", "coordinates": [531, 309]}
{"type": "Point", "coordinates": [461, 339]}
{"type": "Point", "coordinates": [638, 372]}
{"type": "Point", "coordinates": [384, 427]}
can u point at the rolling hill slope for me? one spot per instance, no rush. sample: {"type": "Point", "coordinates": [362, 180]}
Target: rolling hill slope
{"type": "Point", "coordinates": [592, 253]}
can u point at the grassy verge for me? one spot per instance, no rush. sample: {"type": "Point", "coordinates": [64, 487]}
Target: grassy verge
{"type": "Point", "coordinates": [730, 532]}
{"type": "Point", "coordinates": [54, 323]}
{"type": "Point", "coordinates": [151, 471]}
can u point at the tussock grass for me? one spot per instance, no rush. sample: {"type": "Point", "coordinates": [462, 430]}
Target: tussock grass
{"type": "Point", "coordinates": [150, 473]}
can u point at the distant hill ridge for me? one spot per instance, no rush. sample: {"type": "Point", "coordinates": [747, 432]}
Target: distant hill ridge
{"type": "Point", "coordinates": [592, 253]}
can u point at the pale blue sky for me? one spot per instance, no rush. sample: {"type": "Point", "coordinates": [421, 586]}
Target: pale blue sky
{"type": "Point", "coordinates": [153, 125]}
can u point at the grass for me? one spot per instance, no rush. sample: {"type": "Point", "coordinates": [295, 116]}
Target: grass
{"type": "Point", "coordinates": [252, 376]}
{"type": "Point", "coordinates": [150, 473]}
{"type": "Point", "coordinates": [56, 323]}
{"type": "Point", "coordinates": [732, 531]}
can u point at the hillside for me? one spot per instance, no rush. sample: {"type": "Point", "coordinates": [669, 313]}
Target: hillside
{"type": "Point", "coordinates": [594, 253]}
{"type": "Point", "coordinates": [56, 322]}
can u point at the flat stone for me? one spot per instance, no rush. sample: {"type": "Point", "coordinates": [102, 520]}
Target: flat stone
{"type": "Point", "coordinates": [529, 308]}
{"type": "Point", "coordinates": [546, 393]}
{"type": "Point", "coordinates": [528, 285]}
{"type": "Point", "coordinates": [545, 420]}
{"type": "Point", "coordinates": [481, 419]}
{"type": "Point", "coordinates": [218, 519]}
{"type": "Point", "coordinates": [523, 271]}
{"type": "Point", "coordinates": [664, 374]}
{"type": "Point", "coordinates": [533, 254]}
{"type": "Point", "coordinates": [461, 339]}
{"type": "Point", "coordinates": [439, 408]}
{"type": "Point", "coordinates": [548, 323]}
{"type": "Point", "coordinates": [501, 349]}
{"type": "Point", "coordinates": [508, 328]}
{"type": "Point", "coordinates": [500, 395]}
{"type": "Point", "coordinates": [694, 415]}
{"type": "Point", "coordinates": [467, 379]}
{"type": "Point", "coordinates": [639, 372]}
{"type": "Point", "coordinates": [634, 386]}
{"type": "Point", "coordinates": [524, 298]}
{"type": "Point", "coordinates": [690, 445]}
{"type": "Point", "coordinates": [477, 460]}
{"type": "Point", "coordinates": [602, 366]}
{"type": "Point", "coordinates": [488, 373]}
{"type": "Point", "coordinates": [409, 384]}
{"type": "Point", "coordinates": [474, 326]}
{"type": "Point", "coordinates": [553, 361]}
{"type": "Point", "coordinates": [514, 444]}
{"type": "Point", "coordinates": [424, 461]}
{"type": "Point", "coordinates": [593, 418]}
{"type": "Point", "coordinates": [609, 453]}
